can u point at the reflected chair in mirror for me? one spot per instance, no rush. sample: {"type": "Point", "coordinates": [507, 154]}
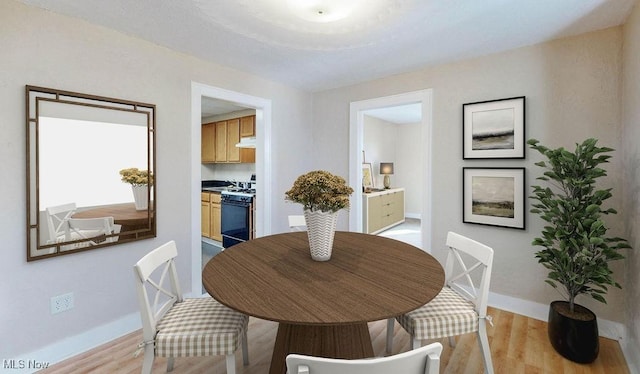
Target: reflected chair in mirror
{"type": "Point", "coordinates": [460, 307]}
{"type": "Point", "coordinates": [94, 230]}
{"type": "Point", "coordinates": [57, 217]}
{"type": "Point", "coordinates": [424, 360]}
{"type": "Point", "coordinates": [176, 327]}
{"type": "Point", "coordinates": [297, 223]}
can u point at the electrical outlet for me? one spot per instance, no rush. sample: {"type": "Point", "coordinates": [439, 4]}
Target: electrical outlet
{"type": "Point", "coordinates": [61, 303]}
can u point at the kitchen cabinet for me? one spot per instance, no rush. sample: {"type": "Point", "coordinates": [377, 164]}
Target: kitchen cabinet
{"type": "Point", "coordinates": [382, 210]}
{"type": "Point", "coordinates": [216, 218]}
{"type": "Point", "coordinates": [219, 141]}
{"type": "Point", "coordinates": [236, 129]}
{"type": "Point", "coordinates": [205, 211]}
{"type": "Point", "coordinates": [247, 126]}
{"type": "Point", "coordinates": [208, 146]}
{"type": "Point", "coordinates": [233, 138]}
{"type": "Point", "coordinates": [211, 215]}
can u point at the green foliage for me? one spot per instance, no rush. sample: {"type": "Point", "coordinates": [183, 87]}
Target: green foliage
{"type": "Point", "coordinates": [577, 250]}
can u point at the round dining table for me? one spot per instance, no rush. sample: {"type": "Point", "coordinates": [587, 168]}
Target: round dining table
{"type": "Point", "coordinates": [323, 307]}
{"type": "Point", "coordinates": [135, 223]}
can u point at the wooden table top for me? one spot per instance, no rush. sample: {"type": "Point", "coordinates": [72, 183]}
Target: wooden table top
{"type": "Point", "coordinates": [368, 278]}
{"type": "Point", "coordinates": [125, 213]}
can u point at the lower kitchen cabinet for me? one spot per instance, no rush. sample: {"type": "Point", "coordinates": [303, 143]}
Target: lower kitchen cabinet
{"type": "Point", "coordinates": [211, 215]}
{"type": "Point", "coordinates": [382, 210]}
{"type": "Point", "coordinates": [216, 215]}
{"type": "Point", "coordinates": [205, 214]}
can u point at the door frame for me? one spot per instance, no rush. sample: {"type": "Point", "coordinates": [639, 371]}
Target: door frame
{"type": "Point", "coordinates": [357, 110]}
{"type": "Point", "coordinates": [264, 176]}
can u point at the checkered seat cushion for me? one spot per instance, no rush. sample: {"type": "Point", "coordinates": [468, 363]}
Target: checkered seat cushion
{"type": "Point", "coordinates": [448, 314]}
{"type": "Point", "coordinates": [199, 327]}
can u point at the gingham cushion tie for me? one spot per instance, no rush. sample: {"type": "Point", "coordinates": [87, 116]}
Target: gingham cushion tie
{"type": "Point", "coordinates": [199, 327]}
{"type": "Point", "coordinates": [489, 319]}
{"type": "Point", "coordinates": [141, 346]}
{"type": "Point", "coordinates": [448, 314]}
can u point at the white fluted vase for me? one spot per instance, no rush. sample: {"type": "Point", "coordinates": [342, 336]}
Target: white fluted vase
{"type": "Point", "coordinates": [321, 228]}
{"type": "Point", "coordinates": [140, 196]}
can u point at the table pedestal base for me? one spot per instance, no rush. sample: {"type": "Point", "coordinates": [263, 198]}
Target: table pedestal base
{"type": "Point", "coordinates": [340, 341]}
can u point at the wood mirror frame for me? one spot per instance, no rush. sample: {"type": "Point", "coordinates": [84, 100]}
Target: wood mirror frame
{"type": "Point", "coordinates": [76, 146]}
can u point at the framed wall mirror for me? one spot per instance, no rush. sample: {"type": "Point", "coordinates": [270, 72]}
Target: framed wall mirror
{"type": "Point", "coordinates": [90, 172]}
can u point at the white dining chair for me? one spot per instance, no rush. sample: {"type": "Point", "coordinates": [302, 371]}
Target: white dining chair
{"type": "Point", "coordinates": [424, 360]}
{"type": "Point", "coordinates": [176, 327]}
{"type": "Point", "coordinates": [297, 223]}
{"type": "Point", "coordinates": [94, 230]}
{"type": "Point", "coordinates": [460, 307]}
{"type": "Point", "coordinates": [57, 219]}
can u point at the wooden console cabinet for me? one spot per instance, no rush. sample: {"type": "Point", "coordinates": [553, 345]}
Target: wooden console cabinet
{"type": "Point", "coordinates": [382, 210]}
{"type": "Point", "coordinates": [211, 215]}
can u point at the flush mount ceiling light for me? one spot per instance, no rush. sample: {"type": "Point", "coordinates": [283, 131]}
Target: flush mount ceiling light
{"type": "Point", "coordinates": [324, 10]}
{"type": "Point", "coordinates": [309, 24]}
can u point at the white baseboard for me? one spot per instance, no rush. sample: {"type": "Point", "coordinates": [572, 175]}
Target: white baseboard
{"type": "Point", "coordinates": [606, 328]}
{"type": "Point", "coordinates": [74, 345]}
{"type": "Point", "coordinates": [630, 351]}
{"type": "Point", "coordinates": [413, 215]}
{"type": "Point", "coordinates": [97, 336]}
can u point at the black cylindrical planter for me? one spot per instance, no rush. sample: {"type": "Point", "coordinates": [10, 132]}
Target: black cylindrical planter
{"type": "Point", "coordinates": [575, 339]}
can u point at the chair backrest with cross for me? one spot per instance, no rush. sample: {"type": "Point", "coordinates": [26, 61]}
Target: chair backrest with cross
{"type": "Point", "coordinates": [57, 221]}
{"type": "Point", "coordinates": [465, 258]}
{"type": "Point", "coordinates": [93, 231]}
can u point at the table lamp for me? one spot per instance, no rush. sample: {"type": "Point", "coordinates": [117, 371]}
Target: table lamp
{"type": "Point", "coordinates": [386, 169]}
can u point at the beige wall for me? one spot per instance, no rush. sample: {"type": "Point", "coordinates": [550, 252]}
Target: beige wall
{"type": "Point", "coordinates": [631, 176]}
{"type": "Point", "coordinates": [42, 48]}
{"type": "Point", "coordinates": [386, 141]}
{"type": "Point", "coordinates": [380, 145]}
{"type": "Point", "coordinates": [572, 88]}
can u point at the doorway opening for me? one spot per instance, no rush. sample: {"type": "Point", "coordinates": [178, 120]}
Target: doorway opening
{"type": "Point", "coordinates": [263, 169]}
{"type": "Point", "coordinates": [357, 152]}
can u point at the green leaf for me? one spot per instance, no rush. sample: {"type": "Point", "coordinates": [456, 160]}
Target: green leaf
{"type": "Point", "coordinates": [576, 248]}
{"type": "Point", "coordinates": [551, 283]}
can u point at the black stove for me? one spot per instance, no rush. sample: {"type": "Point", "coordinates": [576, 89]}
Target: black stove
{"type": "Point", "coordinates": [237, 216]}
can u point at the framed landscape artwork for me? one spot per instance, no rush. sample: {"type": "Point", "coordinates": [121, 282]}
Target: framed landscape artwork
{"type": "Point", "coordinates": [493, 129]}
{"type": "Point", "coordinates": [494, 196]}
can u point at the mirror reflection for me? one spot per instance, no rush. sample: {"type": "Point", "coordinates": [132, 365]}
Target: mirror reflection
{"type": "Point", "coordinates": [90, 172]}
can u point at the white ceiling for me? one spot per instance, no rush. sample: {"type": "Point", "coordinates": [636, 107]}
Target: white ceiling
{"type": "Point", "coordinates": [211, 107]}
{"type": "Point", "coordinates": [382, 38]}
{"type": "Point", "coordinates": [400, 115]}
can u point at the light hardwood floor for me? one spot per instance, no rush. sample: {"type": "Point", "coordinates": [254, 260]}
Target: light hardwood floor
{"type": "Point", "coordinates": [518, 345]}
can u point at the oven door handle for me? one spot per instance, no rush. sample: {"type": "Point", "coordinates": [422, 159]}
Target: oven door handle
{"type": "Point", "coordinates": [236, 203]}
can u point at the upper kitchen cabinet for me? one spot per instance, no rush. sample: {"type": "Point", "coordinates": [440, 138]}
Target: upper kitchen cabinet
{"type": "Point", "coordinates": [233, 138]}
{"type": "Point", "coordinates": [219, 141]}
{"type": "Point", "coordinates": [208, 142]}
{"type": "Point", "coordinates": [247, 126]}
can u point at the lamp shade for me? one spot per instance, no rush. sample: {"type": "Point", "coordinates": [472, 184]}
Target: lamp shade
{"type": "Point", "coordinates": [386, 168]}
